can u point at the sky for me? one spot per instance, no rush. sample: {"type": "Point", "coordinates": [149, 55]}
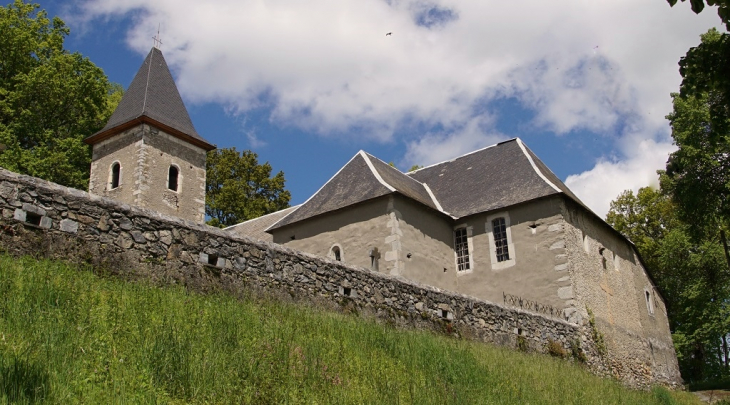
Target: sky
{"type": "Point", "coordinates": [306, 85]}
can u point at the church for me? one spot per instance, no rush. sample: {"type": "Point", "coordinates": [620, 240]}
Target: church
{"type": "Point", "coordinates": [495, 224]}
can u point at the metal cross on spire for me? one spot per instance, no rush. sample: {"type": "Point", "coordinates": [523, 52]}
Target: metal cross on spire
{"type": "Point", "coordinates": [158, 41]}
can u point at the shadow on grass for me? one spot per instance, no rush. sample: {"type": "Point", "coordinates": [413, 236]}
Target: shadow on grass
{"type": "Point", "coordinates": [21, 382]}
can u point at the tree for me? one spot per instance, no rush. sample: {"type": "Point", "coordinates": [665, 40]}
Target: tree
{"type": "Point", "coordinates": [698, 173]}
{"type": "Point", "coordinates": [723, 8]}
{"type": "Point", "coordinates": [697, 178]}
{"type": "Point", "coordinates": [50, 99]}
{"type": "Point", "coordinates": [238, 188]}
{"type": "Point", "coordinates": [645, 219]}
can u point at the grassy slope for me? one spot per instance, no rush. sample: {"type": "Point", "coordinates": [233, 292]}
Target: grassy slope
{"type": "Point", "coordinates": [69, 336]}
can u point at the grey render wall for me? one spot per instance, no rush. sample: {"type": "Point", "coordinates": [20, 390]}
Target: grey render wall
{"type": "Point", "coordinates": [535, 231]}
{"type": "Point", "coordinates": [145, 155]}
{"type": "Point", "coordinates": [393, 224]}
{"type": "Point", "coordinates": [355, 231]}
{"type": "Point", "coordinates": [418, 243]}
{"type": "Point", "coordinates": [46, 219]}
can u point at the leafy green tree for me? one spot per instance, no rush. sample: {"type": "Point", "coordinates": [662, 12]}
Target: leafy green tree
{"type": "Point", "coordinates": [50, 99]}
{"type": "Point", "coordinates": [238, 188]}
{"type": "Point", "coordinates": [645, 219]}
{"type": "Point", "coordinates": [690, 274]}
{"type": "Point", "coordinates": [698, 173]}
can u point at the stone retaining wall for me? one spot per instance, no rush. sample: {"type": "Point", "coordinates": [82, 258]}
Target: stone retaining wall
{"type": "Point", "coordinates": [48, 220]}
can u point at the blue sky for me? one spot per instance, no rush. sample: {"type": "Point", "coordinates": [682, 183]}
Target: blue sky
{"type": "Point", "coordinates": [585, 84]}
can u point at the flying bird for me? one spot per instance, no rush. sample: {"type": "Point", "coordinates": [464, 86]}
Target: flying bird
{"type": "Point", "coordinates": [390, 33]}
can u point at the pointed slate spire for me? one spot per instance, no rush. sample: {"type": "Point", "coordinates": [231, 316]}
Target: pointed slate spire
{"type": "Point", "coordinates": [152, 97]}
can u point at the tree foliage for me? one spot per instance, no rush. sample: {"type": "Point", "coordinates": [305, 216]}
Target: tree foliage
{"type": "Point", "coordinates": [50, 99]}
{"type": "Point", "coordinates": [698, 173]}
{"type": "Point", "coordinates": [723, 8]}
{"type": "Point", "coordinates": [238, 188]}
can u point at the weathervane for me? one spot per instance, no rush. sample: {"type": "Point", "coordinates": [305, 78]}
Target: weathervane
{"type": "Point", "coordinates": [158, 41]}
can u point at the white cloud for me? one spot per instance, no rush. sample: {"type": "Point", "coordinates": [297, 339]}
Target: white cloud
{"type": "Point", "coordinates": [602, 184]}
{"type": "Point", "coordinates": [438, 147]}
{"type": "Point", "coordinates": [328, 68]}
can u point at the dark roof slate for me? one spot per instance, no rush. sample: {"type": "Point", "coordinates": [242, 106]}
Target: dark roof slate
{"type": "Point", "coordinates": [153, 94]}
{"type": "Point", "coordinates": [363, 178]}
{"type": "Point", "coordinates": [491, 178]}
{"type": "Point", "coordinates": [354, 183]}
{"type": "Point", "coordinates": [401, 182]}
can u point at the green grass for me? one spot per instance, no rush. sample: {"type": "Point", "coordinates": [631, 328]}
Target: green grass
{"type": "Point", "coordinates": [69, 336]}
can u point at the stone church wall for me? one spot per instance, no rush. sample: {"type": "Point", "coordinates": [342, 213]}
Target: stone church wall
{"type": "Point", "coordinates": [145, 155]}
{"type": "Point", "coordinates": [609, 280]}
{"type": "Point", "coordinates": [48, 220]}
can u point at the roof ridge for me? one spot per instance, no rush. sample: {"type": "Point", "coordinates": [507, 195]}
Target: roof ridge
{"type": "Point", "coordinates": [534, 167]}
{"type": "Point", "coordinates": [394, 168]}
{"type": "Point", "coordinates": [147, 85]}
{"type": "Point", "coordinates": [315, 193]}
{"type": "Point", "coordinates": [435, 200]}
{"type": "Point", "coordinates": [374, 171]}
{"type": "Point", "coordinates": [459, 157]}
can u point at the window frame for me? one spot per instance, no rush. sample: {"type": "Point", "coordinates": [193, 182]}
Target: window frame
{"type": "Point", "coordinates": [468, 234]}
{"type": "Point", "coordinates": [332, 255]}
{"type": "Point", "coordinates": [110, 182]}
{"type": "Point", "coordinates": [511, 251]}
{"type": "Point", "coordinates": [178, 178]}
{"type": "Point", "coordinates": [649, 297]}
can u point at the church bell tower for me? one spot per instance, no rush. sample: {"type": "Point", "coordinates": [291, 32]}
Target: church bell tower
{"type": "Point", "coordinates": [149, 154]}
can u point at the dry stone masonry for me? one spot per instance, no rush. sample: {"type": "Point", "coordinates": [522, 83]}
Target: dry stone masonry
{"type": "Point", "coordinates": [45, 219]}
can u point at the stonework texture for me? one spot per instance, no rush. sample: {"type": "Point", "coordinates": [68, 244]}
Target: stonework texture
{"type": "Point", "coordinates": [145, 155]}
{"type": "Point", "coordinates": [135, 242]}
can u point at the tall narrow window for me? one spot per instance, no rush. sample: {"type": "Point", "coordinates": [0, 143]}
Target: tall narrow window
{"type": "Point", "coordinates": [336, 253]}
{"type": "Point", "coordinates": [461, 247]}
{"type": "Point", "coordinates": [649, 304]}
{"type": "Point", "coordinates": [172, 178]}
{"type": "Point", "coordinates": [499, 230]}
{"type": "Point", "coordinates": [116, 169]}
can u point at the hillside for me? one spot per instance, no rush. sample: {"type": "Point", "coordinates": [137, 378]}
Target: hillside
{"type": "Point", "coordinates": [69, 336]}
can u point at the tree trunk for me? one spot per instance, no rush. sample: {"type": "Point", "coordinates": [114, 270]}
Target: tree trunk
{"type": "Point", "coordinates": [724, 245]}
{"type": "Point", "coordinates": [724, 350]}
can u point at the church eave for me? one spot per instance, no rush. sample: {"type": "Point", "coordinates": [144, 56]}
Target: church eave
{"type": "Point", "coordinates": [144, 119]}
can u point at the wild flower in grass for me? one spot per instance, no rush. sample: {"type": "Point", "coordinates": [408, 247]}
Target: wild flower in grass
{"type": "Point", "coordinates": [331, 376]}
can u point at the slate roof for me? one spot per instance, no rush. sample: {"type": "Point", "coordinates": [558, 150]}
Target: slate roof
{"type": "Point", "coordinates": [363, 178]}
{"type": "Point", "coordinates": [488, 179]}
{"type": "Point", "coordinates": [255, 228]}
{"type": "Point", "coordinates": [495, 177]}
{"type": "Point", "coordinates": [152, 97]}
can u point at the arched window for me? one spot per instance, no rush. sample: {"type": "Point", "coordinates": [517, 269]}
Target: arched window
{"type": "Point", "coordinates": [115, 175]}
{"type": "Point", "coordinates": [336, 253]}
{"type": "Point", "coordinates": [172, 178]}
